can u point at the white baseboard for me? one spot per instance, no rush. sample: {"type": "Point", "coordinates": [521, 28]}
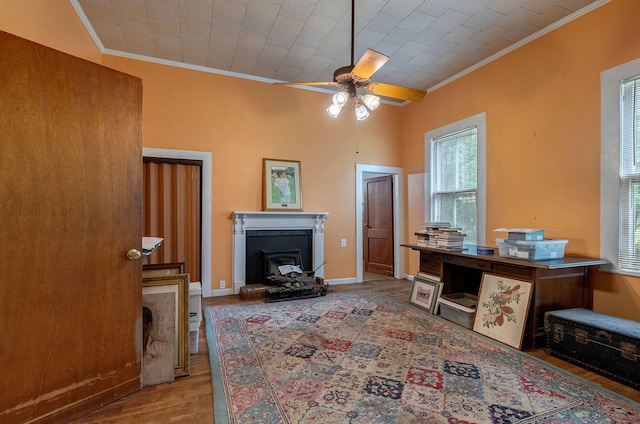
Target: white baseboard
{"type": "Point", "coordinates": [220, 292]}
{"type": "Point", "coordinates": [340, 281]}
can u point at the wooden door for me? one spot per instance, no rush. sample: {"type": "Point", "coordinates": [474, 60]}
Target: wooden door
{"type": "Point", "coordinates": [71, 194]}
{"type": "Point", "coordinates": [378, 225]}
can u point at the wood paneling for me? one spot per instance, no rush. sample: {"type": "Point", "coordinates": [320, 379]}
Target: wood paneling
{"type": "Point", "coordinates": [171, 210]}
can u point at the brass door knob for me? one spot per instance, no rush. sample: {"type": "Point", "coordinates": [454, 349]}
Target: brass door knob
{"type": "Point", "coordinates": [134, 254]}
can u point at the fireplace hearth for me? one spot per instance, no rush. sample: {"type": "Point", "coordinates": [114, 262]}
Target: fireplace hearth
{"type": "Point", "coordinates": [298, 288]}
{"type": "Point", "coordinates": [244, 275]}
{"type": "Point", "coordinates": [284, 281]}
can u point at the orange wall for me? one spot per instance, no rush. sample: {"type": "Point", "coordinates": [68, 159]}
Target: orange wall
{"type": "Point", "coordinates": [241, 122]}
{"type": "Point", "coordinates": [543, 136]}
{"type": "Point", "coordinates": [52, 23]}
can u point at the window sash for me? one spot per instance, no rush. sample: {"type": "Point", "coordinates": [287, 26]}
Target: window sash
{"type": "Point", "coordinates": [454, 190]}
{"type": "Point", "coordinates": [449, 156]}
{"type": "Point", "coordinates": [629, 191]}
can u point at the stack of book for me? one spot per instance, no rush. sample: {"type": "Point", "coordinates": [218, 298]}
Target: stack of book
{"type": "Point", "coordinates": [428, 235]}
{"type": "Point", "coordinates": [422, 238]}
{"type": "Point", "coordinates": [451, 239]}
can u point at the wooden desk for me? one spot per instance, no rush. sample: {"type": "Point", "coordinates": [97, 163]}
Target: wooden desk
{"type": "Point", "coordinates": [557, 283]}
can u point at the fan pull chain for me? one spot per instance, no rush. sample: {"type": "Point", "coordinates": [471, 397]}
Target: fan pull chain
{"type": "Point", "coordinates": [357, 137]}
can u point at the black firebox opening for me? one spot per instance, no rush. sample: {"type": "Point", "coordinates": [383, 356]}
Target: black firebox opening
{"type": "Point", "coordinates": [285, 246]}
{"type": "Point", "coordinates": [272, 260]}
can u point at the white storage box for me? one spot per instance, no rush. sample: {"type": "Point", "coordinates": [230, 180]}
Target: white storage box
{"type": "Point", "coordinates": [532, 250]}
{"type": "Point", "coordinates": [526, 235]}
{"type": "Point", "coordinates": [194, 336]}
{"type": "Point", "coordinates": [458, 308]}
{"type": "Point", "coordinates": [195, 302]}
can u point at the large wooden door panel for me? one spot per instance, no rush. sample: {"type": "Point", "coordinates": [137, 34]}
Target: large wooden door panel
{"type": "Point", "coordinates": [70, 184]}
{"type": "Point", "coordinates": [378, 219]}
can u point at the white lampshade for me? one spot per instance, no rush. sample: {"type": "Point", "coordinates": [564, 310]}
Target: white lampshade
{"type": "Point", "coordinates": [334, 110]}
{"type": "Point", "coordinates": [371, 101]}
{"type": "Point", "coordinates": [361, 112]}
{"type": "Point", "coordinates": [340, 99]}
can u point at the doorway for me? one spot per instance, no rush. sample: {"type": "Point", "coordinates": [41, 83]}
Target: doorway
{"type": "Point", "coordinates": [364, 172]}
{"type": "Point", "coordinates": [205, 243]}
{"type": "Point", "coordinates": [171, 210]}
{"type": "Point", "coordinates": [377, 228]}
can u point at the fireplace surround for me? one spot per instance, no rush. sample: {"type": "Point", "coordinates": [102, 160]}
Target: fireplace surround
{"type": "Point", "coordinates": [250, 221]}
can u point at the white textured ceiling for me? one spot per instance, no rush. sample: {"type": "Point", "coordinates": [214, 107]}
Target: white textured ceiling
{"type": "Point", "coordinates": [428, 42]}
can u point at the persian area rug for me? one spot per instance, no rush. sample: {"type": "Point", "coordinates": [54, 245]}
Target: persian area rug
{"type": "Point", "coordinates": [368, 358]}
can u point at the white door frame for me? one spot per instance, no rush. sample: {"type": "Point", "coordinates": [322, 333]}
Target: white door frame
{"type": "Point", "coordinates": [398, 223]}
{"type": "Point", "coordinates": [205, 252]}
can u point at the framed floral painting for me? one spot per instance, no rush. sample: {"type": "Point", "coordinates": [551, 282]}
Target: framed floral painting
{"type": "Point", "coordinates": [502, 308]}
{"type": "Point", "coordinates": [282, 190]}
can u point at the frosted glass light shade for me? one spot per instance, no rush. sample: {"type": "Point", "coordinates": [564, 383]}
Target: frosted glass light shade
{"type": "Point", "coordinates": [371, 101]}
{"type": "Point", "coordinates": [361, 112]}
{"type": "Point", "coordinates": [334, 110]}
{"type": "Point", "coordinates": [340, 99]}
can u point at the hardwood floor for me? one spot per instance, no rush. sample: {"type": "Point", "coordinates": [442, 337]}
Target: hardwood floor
{"type": "Point", "coordinates": [189, 399]}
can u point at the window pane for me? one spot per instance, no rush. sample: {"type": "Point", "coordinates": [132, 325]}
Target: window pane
{"type": "Point", "coordinates": [629, 122]}
{"type": "Point", "coordinates": [629, 258]}
{"type": "Point", "coordinates": [447, 165]}
{"type": "Point", "coordinates": [635, 193]}
{"type": "Point", "coordinates": [456, 179]}
{"type": "Point", "coordinates": [468, 162]}
{"type": "Point", "coordinates": [444, 208]}
{"type": "Point", "coordinates": [456, 157]}
{"type": "Point", "coordinates": [460, 210]}
{"type": "Point", "coordinates": [466, 215]}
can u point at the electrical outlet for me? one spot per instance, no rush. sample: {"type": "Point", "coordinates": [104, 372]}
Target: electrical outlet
{"type": "Point", "coordinates": [222, 284]}
{"type": "Point", "coordinates": [343, 243]}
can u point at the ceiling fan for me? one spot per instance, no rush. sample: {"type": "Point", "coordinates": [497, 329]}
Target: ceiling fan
{"type": "Point", "coordinates": [358, 75]}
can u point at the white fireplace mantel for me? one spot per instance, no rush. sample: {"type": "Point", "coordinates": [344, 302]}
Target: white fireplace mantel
{"type": "Point", "coordinates": [243, 221]}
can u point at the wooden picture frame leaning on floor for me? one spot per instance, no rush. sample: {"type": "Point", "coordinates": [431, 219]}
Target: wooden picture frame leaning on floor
{"type": "Point", "coordinates": [178, 286]}
{"type": "Point", "coordinates": [425, 292]}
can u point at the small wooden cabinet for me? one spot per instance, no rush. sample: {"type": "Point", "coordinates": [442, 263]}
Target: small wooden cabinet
{"type": "Point", "coordinates": [557, 283]}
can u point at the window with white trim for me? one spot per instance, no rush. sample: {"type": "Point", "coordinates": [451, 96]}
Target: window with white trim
{"type": "Point", "coordinates": [629, 255]}
{"type": "Point", "coordinates": [620, 168]}
{"type": "Point", "coordinates": [455, 176]}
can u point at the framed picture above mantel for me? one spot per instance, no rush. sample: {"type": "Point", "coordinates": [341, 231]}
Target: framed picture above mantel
{"type": "Point", "coordinates": [282, 188]}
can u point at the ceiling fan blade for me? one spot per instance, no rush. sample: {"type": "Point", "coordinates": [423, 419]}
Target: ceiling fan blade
{"type": "Point", "coordinates": [396, 91]}
{"type": "Point", "coordinates": [369, 63]}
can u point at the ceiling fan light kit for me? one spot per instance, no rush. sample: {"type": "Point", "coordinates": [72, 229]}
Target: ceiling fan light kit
{"type": "Point", "coordinates": [363, 104]}
{"type": "Point", "coordinates": [358, 75]}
